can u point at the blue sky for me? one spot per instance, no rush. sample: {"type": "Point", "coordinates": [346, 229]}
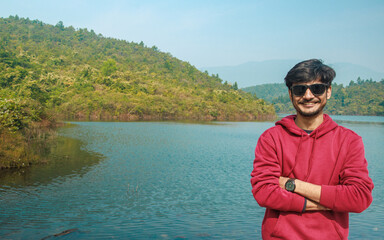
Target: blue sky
{"type": "Point", "coordinates": [210, 33]}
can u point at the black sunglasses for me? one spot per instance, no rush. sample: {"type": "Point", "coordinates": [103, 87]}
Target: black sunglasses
{"type": "Point", "coordinates": [316, 89]}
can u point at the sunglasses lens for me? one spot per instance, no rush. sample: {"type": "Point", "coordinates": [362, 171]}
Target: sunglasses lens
{"type": "Point", "coordinates": [317, 89]}
{"type": "Point", "coordinates": [299, 90]}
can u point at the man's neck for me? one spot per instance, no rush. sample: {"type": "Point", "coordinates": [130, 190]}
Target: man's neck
{"type": "Point", "coordinates": [309, 123]}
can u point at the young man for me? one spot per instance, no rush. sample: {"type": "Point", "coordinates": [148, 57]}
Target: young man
{"type": "Point", "coordinates": [309, 172]}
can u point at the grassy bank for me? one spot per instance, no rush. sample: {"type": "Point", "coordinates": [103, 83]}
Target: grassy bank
{"type": "Point", "coordinates": [24, 134]}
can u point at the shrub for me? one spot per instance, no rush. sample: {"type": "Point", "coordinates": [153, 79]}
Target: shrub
{"type": "Point", "coordinates": [12, 115]}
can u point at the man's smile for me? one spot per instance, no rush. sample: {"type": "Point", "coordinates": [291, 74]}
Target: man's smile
{"type": "Point", "coordinates": [309, 103]}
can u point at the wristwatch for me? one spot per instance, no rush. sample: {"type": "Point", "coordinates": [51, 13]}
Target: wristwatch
{"type": "Point", "coordinates": [290, 185]}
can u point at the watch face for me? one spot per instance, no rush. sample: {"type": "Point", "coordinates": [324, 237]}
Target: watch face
{"type": "Point", "coordinates": [290, 185]}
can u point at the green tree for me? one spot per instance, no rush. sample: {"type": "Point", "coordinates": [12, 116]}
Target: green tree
{"type": "Point", "coordinates": [235, 87]}
{"type": "Point", "coordinates": [108, 67]}
{"type": "Point", "coordinates": [60, 25]}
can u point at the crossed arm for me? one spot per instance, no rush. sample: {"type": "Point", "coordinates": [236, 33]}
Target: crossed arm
{"type": "Point", "coordinates": [311, 192]}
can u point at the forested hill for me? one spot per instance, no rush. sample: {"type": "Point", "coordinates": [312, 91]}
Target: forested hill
{"type": "Point", "coordinates": [360, 97]}
{"type": "Point", "coordinates": [79, 74]}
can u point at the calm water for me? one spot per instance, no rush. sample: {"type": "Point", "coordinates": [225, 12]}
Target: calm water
{"type": "Point", "coordinates": [159, 180]}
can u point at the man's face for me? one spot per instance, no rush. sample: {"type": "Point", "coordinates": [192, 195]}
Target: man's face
{"type": "Point", "coordinates": [310, 105]}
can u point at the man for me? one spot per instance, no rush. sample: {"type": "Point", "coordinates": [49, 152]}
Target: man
{"type": "Point", "coordinates": [308, 171]}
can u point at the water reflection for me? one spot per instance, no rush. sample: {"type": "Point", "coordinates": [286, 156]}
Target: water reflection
{"type": "Point", "coordinates": [65, 157]}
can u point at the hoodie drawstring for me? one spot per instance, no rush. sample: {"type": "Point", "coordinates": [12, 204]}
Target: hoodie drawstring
{"type": "Point", "coordinates": [310, 157]}
{"type": "Point", "coordinates": [298, 150]}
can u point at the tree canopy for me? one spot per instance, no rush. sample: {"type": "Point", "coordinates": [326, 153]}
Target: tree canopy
{"type": "Point", "coordinates": [78, 74]}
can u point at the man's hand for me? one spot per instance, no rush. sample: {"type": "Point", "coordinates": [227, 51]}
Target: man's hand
{"type": "Point", "coordinates": [314, 206]}
{"type": "Point", "coordinates": [311, 192]}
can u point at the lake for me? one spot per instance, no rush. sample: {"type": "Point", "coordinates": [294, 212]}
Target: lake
{"type": "Point", "coordinates": [159, 180]}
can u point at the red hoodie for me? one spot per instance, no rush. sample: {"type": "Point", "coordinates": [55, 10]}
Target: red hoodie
{"type": "Point", "coordinates": [331, 156]}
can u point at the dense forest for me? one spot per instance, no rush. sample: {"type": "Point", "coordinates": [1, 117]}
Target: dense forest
{"type": "Point", "coordinates": [50, 73]}
{"type": "Point", "coordinates": [360, 97]}
{"type": "Point", "coordinates": [78, 74]}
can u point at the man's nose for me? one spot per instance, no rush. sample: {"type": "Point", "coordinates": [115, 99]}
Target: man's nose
{"type": "Point", "coordinates": [308, 94]}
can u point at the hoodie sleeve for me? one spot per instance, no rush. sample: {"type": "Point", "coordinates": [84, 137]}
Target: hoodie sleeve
{"type": "Point", "coordinates": [265, 179]}
{"type": "Point", "coordinates": [354, 192]}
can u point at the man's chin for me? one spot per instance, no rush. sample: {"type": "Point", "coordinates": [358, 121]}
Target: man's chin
{"type": "Point", "coordinates": [310, 113]}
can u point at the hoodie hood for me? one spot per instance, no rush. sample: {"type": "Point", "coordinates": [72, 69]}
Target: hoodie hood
{"type": "Point", "coordinates": [306, 148]}
{"type": "Point", "coordinates": [289, 124]}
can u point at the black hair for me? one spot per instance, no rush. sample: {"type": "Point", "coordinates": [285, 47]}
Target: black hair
{"type": "Point", "coordinates": [310, 70]}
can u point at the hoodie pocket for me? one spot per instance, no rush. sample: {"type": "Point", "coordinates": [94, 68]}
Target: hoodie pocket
{"type": "Point", "coordinates": [277, 232]}
{"type": "Point", "coordinates": [310, 225]}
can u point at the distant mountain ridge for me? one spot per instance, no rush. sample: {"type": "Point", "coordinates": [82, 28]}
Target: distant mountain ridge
{"type": "Point", "coordinates": [274, 71]}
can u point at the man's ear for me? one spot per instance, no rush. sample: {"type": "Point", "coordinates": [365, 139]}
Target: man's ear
{"type": "Point", "coordinates": [329, 92]}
